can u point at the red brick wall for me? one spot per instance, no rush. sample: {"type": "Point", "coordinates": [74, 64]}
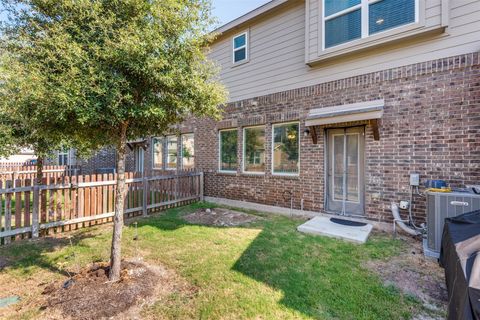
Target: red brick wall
{"type": "Point", "coordinates": [102, 159]}
{"type": "Point", "coordinates": [431, 126]}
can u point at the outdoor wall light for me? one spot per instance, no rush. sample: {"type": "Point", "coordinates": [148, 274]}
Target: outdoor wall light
{"type": "Point", "coordinates": [306, 133]}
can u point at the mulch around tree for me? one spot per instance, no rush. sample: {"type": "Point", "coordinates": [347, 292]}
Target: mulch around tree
{"type": "Point", "coordinates": [220, 217]}
{"type": "Point", "coordinates": [89, 294]}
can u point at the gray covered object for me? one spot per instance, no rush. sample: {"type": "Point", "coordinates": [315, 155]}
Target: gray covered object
{"type": "Point", "coordinates": [460, 256]}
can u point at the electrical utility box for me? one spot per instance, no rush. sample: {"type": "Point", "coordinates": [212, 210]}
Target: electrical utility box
{"type": "Point", "coordinates": [441, 205]}
{"type": "Point", "coordinates": [414, 179]}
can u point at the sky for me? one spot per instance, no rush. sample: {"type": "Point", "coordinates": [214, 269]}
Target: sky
{"type": "Point", "coordinates": [224, 10]}
{"type": "Point", "coordinates": [228, 10]}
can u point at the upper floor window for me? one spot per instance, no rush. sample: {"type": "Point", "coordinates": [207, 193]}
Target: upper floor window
{"type": "Point", "coordinates": [63, 158]}
{"type": "Point", "coordinates": [240, 48]}
{"type": "Point", "coordinates": [348, 20]}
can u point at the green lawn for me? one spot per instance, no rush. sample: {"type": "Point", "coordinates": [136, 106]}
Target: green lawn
{"type": "Point", "coordinates": [263, 271]}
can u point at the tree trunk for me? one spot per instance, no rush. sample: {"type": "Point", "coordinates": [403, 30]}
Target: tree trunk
{"type": "Point", "coordinates": [115, 256]}
{"type": "Point", "coordinates": [39, 177]}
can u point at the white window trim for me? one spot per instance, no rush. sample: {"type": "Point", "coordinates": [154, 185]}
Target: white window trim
{"type": "Point", "coordinates": [244, 147]}
{"type": "Point", "coordinates": [167, 155]}
{"type": "Point", "coordinates": [220, 151]}
{"type": "Point", "coordinates": [246, 46]}
{"type": "Point", "coordinates": [64, 153]}
{"type": "Point", "coordinates": [273, 146]}
{"type": "Point", "coordinates": [181, 147]}
{"type": "Point", "coordinates": [364, 7]}
{"type": "Point", "coordinates": [162, 139]}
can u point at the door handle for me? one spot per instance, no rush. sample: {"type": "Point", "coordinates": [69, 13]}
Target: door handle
{"type": "Point", "coordinates": [459, 203]}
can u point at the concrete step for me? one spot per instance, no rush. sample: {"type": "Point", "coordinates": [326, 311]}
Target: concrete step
{"type": "Point", "coordinates": [322, 226]}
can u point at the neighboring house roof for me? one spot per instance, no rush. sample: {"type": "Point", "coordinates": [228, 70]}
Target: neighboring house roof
{"type": "Point", "coordinates": [269, 6]}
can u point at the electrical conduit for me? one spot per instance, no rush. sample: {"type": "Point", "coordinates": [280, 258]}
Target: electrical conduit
{"type": "Point", "coordinates": [401, 223]}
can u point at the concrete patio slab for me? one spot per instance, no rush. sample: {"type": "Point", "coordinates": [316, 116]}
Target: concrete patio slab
{"type": "Point", "coordinates": [322, 226]}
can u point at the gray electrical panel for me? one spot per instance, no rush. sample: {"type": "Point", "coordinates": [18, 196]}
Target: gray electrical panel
{"type": "Point", "coordinates": [441, 206]}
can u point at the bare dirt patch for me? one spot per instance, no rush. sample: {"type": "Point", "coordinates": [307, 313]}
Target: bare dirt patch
{"type": "Point", "coordinates": [91, 296]}
{"type": "Point", "coordinates": [220, 217]}
{"type": "Point", "coordinates": [415, 275]}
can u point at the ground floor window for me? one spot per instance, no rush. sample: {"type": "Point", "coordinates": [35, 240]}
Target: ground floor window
{"type": "Point", "coordinates": [286, 148]}
{"type": "Point", "coordinates": [139, 159]}
{"type": "Point", "coordinates": [254, 149]}
{"type": "Point", "coordinates": [228, 150]}
{"type": "Point", "coordinates": [157, 148]}
{"type": "Point", "coordinates": [172, 152]}
{"type": "Point", "coordinates": [188, 151]}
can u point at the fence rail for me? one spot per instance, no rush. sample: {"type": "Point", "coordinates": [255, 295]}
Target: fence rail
{"type": "Point", "coordinates": [6, 165]}
{"type": "Point", "coordinates": [14, 173]}
{"type": "Point", "coordinates": [69, 203]}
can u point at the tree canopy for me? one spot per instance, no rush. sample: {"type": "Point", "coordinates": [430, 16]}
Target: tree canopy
{"type": "Point", "coordinates": [99, 72]}
{"type": "Point", "coordinates": [101, 63]}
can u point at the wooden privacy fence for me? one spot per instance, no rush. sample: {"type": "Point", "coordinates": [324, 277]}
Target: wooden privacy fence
{"type": "Point", "coordinates": [14, 173]}
{"type": "Point", "coordinates": [70, 203]}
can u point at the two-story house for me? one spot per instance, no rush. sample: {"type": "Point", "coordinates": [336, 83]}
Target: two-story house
{"type": "Point", "coordinates": [333, 104]}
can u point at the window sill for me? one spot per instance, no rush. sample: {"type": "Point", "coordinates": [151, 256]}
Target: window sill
{"type": "Point", "coordinates": [240, 63]}
{"type": "Point", "coordinates": [286, 176]}
{"type": "Point", "coordinates": [253, 174]}
{"type": "Point", "coordinates": [399, 34]}
{"type": "Point", "coordinates": [227, 173]}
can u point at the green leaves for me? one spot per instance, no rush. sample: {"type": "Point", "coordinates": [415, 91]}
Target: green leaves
{"type": "Point", "coordinates": [79, 69]}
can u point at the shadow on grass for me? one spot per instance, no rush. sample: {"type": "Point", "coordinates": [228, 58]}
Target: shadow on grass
{"type": "Point", "coordinates": [319, 277]}
{"type": "Point", "coordinates": [26, 254]}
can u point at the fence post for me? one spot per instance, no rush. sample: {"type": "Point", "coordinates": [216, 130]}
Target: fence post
{"type": "Point", "coordinates": [202, 198]}
{"type": "Point", "coordinates": [35, 213]}
{"type": "Point", "coordinates": [144, 194]}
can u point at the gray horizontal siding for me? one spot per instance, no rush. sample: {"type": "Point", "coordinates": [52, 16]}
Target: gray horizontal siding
{"type": "Point", "coordinates": [277, 49]}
